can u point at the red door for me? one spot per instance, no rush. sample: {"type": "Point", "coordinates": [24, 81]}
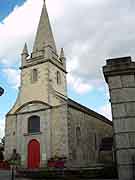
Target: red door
{"type": "Point", "coordinates": [33, 154]}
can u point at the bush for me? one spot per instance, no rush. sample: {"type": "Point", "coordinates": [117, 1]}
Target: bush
{"type": "Point", "coordinates": [1, 156]}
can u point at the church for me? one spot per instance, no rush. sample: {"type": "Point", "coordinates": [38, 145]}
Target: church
{"type": "Point", "coordinates": [44, 123]}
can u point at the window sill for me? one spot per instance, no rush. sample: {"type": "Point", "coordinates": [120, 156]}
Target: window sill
{"type": "Point", "coordinates": [32, 134]}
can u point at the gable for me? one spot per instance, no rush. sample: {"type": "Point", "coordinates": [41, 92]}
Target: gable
{"type": "Point", "coordinates": [33, 106]}
{"type": "Point", "coordinates": [88, 111]}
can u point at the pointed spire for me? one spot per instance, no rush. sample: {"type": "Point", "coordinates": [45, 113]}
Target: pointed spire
{"type": "Point", "coordinates": [44, 36]}
{"type": "Point", "coordinates": [62, 57]}
{"type": "Point", "coordinates": [24, 55]}
{"type": "Point", "coordinates": [62, 53]}
{"type": "Point", "coordinates": [25, 50]}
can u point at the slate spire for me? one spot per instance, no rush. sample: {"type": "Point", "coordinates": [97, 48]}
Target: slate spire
{"type": "Point", "coordinates": [25, 49]}
{"type": "Point", "coordinates": [44, 36]}
{"type": "Point", "coordinates": [62, 53]}
{"type": "Point", "coordinates": [24, 55]}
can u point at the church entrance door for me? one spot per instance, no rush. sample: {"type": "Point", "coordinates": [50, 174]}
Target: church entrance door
{"type": "Point", "coordinates": [33, 154]}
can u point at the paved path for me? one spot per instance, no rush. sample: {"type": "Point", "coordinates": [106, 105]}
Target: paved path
{"type": "Point", "coordinates": [6, 175]}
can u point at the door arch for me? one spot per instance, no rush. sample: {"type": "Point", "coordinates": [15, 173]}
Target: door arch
{"type": "Point", "coordinates": [33, 154]}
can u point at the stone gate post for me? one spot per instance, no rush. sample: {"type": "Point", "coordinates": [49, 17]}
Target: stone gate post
{"type": "Point", "coordinates": [119, 73]}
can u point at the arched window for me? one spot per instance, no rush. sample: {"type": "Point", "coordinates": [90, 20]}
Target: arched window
{"type": "Point", "coordinates": [34, 124]}
{"type": "Point", "coordinates": [78, 135]}
{"type": "Point", "coordinates": [58, 78]}
{"type": "Point", "coordinates": [34, 75]}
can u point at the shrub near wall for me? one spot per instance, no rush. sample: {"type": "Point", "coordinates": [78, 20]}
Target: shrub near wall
{"type": "Point", "coordinates": [4, 165]}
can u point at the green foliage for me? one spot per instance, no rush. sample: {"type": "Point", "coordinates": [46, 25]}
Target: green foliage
{"type": "Point", "coordinates": [1, 155]}
{"type": "Point", "coordinates": [110, 172]}
{"type": "Point", "coordinates": [14, 162]}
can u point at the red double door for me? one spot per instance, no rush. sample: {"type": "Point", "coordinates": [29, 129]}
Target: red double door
{"type": "Point", "coordinates": [33, 154]}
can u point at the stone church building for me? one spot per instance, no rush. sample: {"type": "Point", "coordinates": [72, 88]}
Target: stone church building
{"type": "Point", "coordinates": [44, 123]}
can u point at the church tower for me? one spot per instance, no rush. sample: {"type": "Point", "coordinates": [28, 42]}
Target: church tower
{"type": "Point", "coordinates": [43, 73]}
{"type": "Point", "coordinates": [38, 120]}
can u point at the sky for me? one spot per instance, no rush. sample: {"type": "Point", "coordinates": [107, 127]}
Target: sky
{"type": "Point", "coordinates": [90, 31]}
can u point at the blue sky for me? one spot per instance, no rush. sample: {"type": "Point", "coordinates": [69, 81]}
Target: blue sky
{"type": "Point", "coordinates": [90, 32]}
{"type": "Point", "coordinates": [9, 96]}
{"type": "Point", "coordinates": [7, 6]}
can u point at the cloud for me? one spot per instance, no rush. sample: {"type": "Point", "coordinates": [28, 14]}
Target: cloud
{"type": "Point", "coordinates": [78, 85]}
{"type": "Point", "coordinates": [90, 31]}
{"type": "Point", "coordinates": [13, 77]}
{"type": "Point", "coordinates": [105, 110]}
{"type": "Point", "coordinates": [17, 28]}
{"type": "Point", "coordinates": [96, 30]}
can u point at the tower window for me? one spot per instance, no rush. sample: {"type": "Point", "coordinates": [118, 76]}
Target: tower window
{"type": "Point", "coordinates": [58, 77]}
{"type": "Point", "coordinates": [95, 141]}
{"type": "Point", "coordinates": [34, 75]}
{"type": "Point", "coordinates": [34, 124]}
{"type": "Point", "coordinates": [78, 135]}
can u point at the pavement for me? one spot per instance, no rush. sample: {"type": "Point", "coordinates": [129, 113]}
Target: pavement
{"type": "Point", "coordinates": [6, 175]}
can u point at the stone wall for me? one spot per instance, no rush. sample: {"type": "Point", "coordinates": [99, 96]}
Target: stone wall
{"type": "Point", "coordinates": [62, 86]}
{"type": "Point", "coordinates": [32, 91]}
{"type": "Point", "coordinates": [53, 135]}
{"type": "Point", "coordinates": [10, 135]}
{"type": "Point", "coordinates": [92, 129]}
{"type": "Point", "coordinates": [17, 135]}
{"type": "Point", "coordinates": [59, 130]}
{"type": "Point", "coordinates": [120, 76]}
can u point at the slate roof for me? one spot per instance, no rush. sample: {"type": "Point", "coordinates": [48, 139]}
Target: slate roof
{"type": "Point", "coordinates": [86, 110]}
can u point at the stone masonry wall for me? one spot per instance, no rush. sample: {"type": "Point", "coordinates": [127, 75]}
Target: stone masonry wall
{"type": "Point", "coordinates": [120, 76]}
{"type": "Point", "coordinates": [59, 131]}
{"type": "Point", "coordinates": [17, 135]}
{"type": "Point", "coordinates": [33, 91]}
{"type": "Point", "coordinates": [93, 130]}
{"type": "Point", "coordinates": [10, 135]}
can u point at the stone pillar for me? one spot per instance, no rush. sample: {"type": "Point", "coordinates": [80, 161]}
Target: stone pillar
{"type": "Point", "coordinates": [119, 73]}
